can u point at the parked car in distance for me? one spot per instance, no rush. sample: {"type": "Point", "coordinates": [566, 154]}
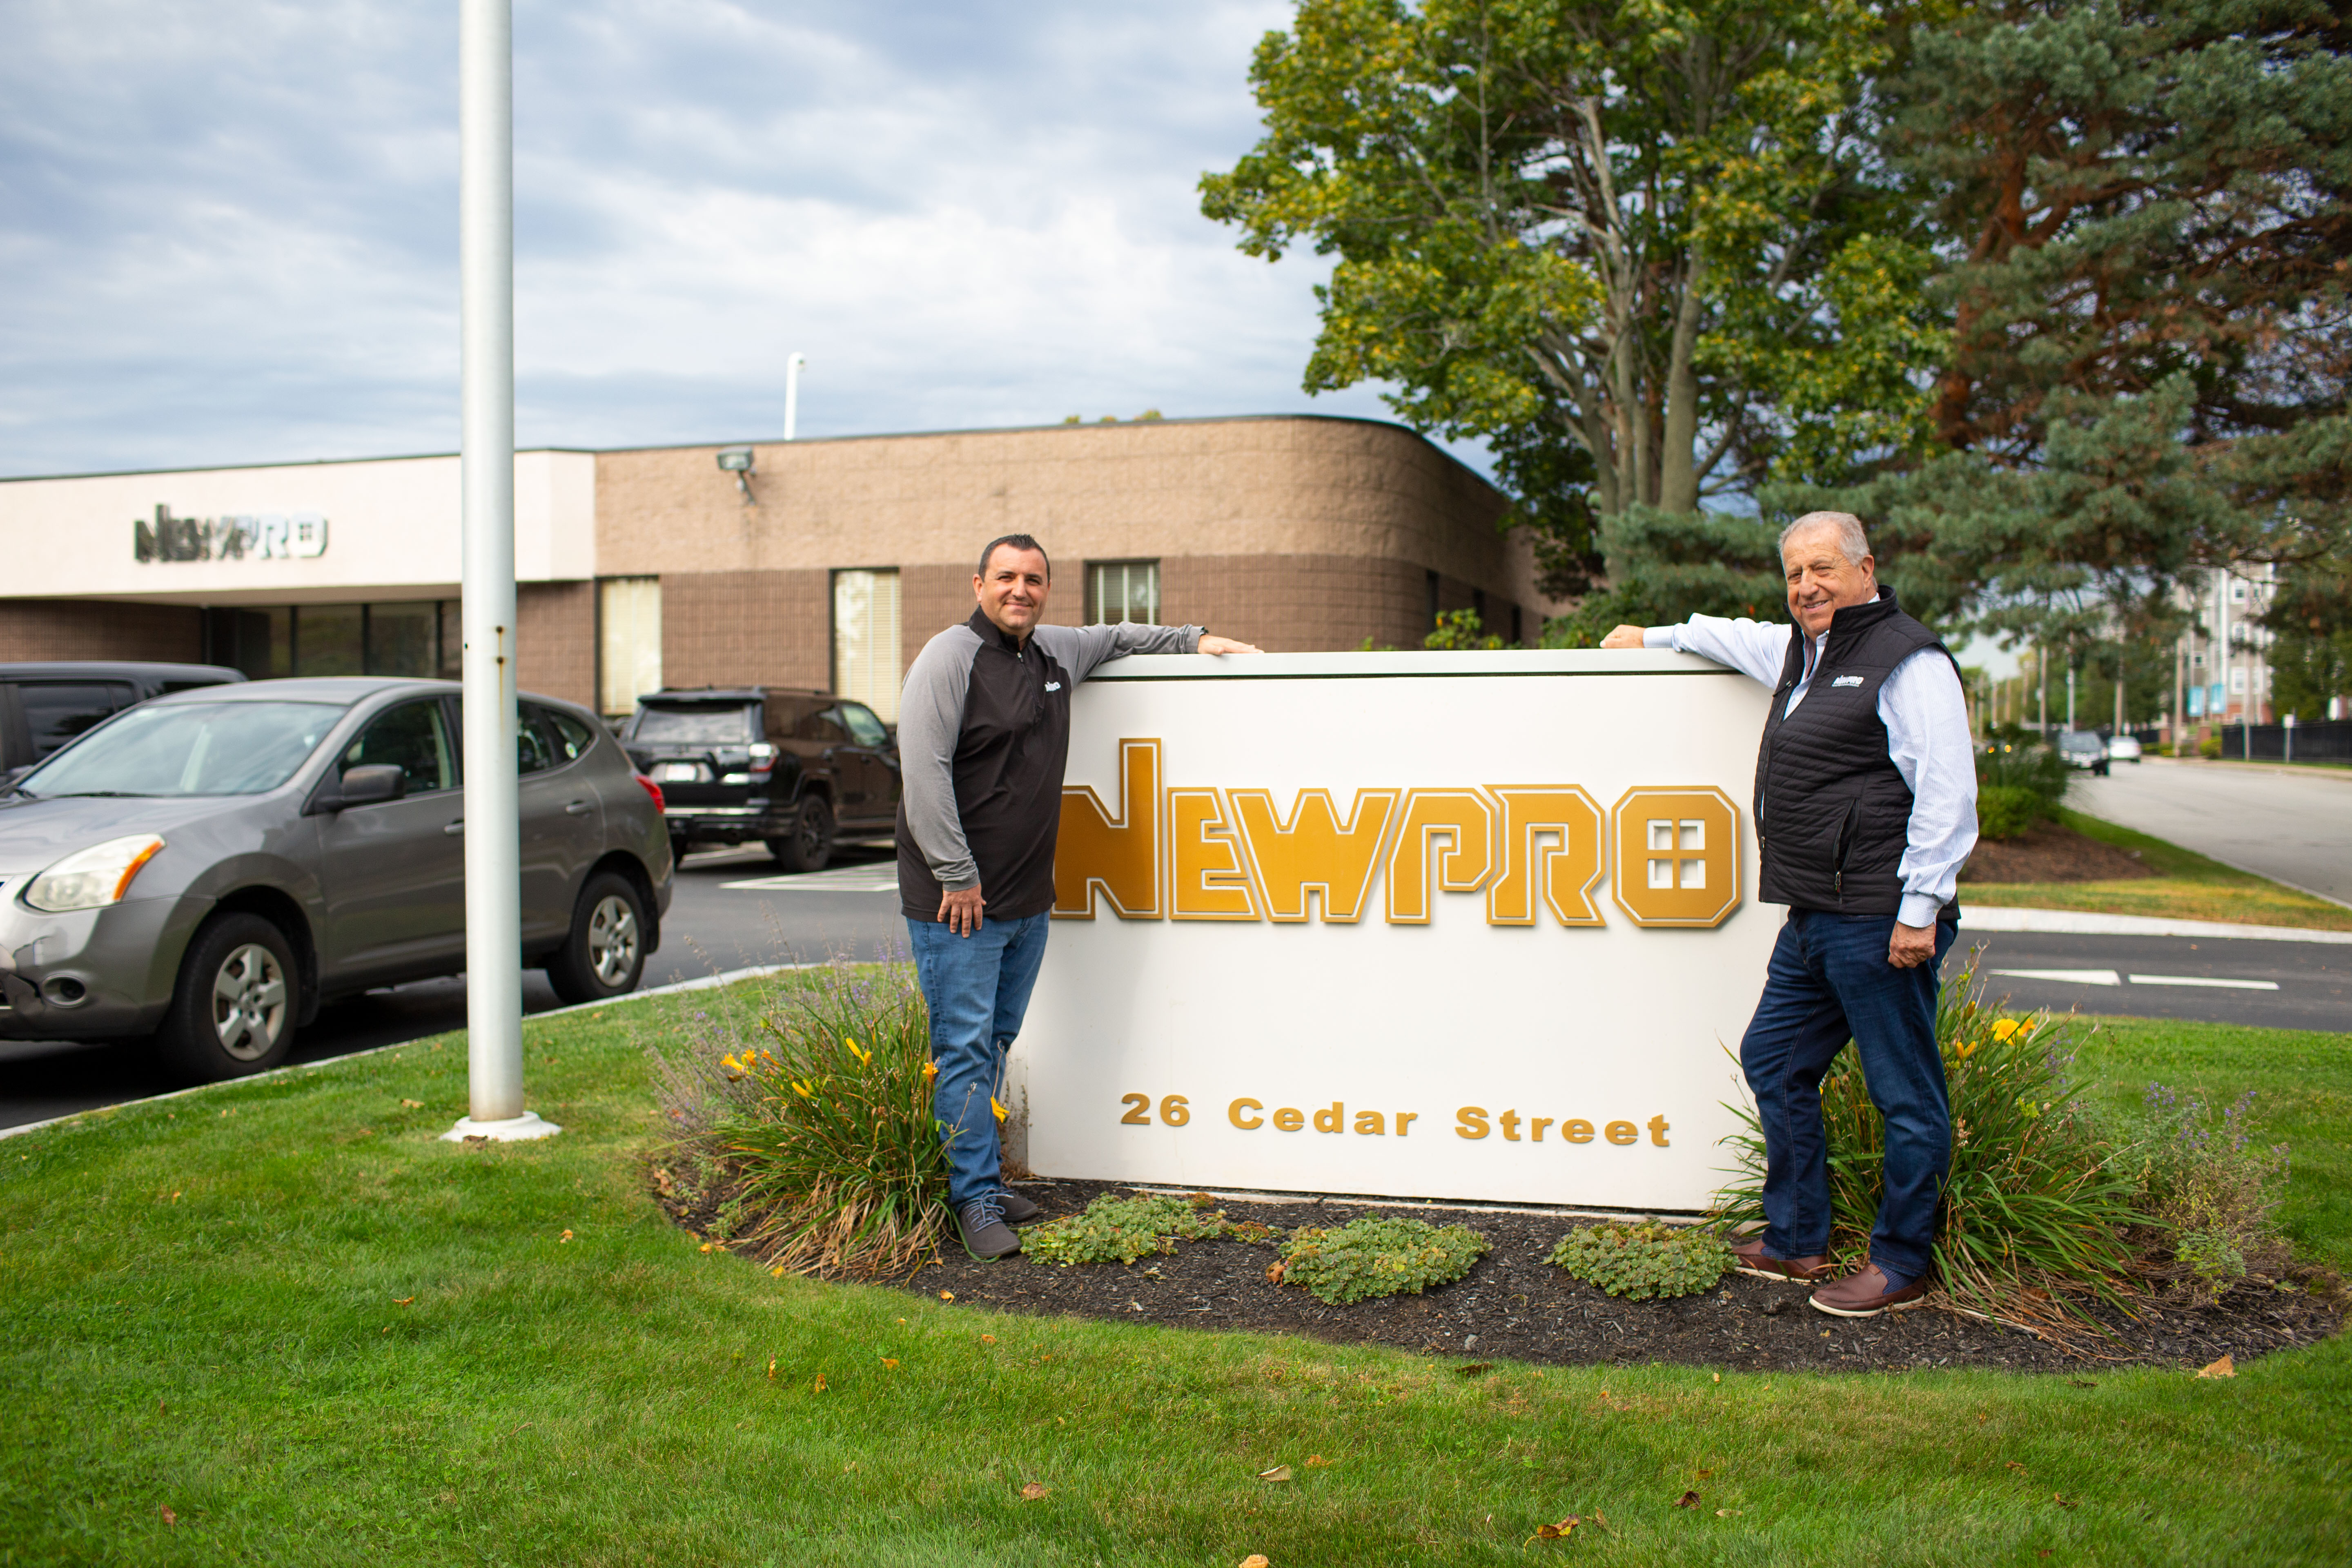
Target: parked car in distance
{"type": "Point", "coordinates": [767, 764]}
{"type": "Point", "coordinates": [43, 706]}
{"type": "Point", "coordinates": [2123, 749]}
{"type": "Point", "coordinates": [208, 868]}
{"type": "Point", "coordinates": [2084, 749]}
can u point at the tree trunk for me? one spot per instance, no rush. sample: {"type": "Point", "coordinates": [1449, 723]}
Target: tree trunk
{"type": "Point", "coordinates": [1678, 461]}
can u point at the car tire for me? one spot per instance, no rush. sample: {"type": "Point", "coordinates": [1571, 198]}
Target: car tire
{"type": "Point", "coordinates": [603, 954]}
{"type": "Point", "coordinates": [234, 1007]}
{"type": "Point", "coordinates": [810, 843]}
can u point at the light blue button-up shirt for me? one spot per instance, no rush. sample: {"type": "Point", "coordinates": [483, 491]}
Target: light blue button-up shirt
{"type": "Point", "coordinates": [1927, 719]}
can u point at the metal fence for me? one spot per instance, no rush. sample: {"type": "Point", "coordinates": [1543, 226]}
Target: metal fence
{"type": "Point", "coordinates": [2321, 741]}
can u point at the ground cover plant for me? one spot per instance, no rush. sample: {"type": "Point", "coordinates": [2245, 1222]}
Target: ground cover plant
{"type": "Point", "coordinates": [2182, 885]}
{"type": "Point", "coordinates": [1119, 1230]}
{"type": "Point", "coordinates": [1645, 1261]}
{"type": "Point", "coordinates": [1379, 1255]}
{"type": "Point", "coordinates": [289, 1315]}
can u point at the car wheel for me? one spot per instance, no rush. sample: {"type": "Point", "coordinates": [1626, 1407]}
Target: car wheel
{"type": "Point", "coordinates": [604, 954]}
{"type": "Point", "coordinates": [233, 1009]}
{"type": "Point", "coordinates": [810, 843]}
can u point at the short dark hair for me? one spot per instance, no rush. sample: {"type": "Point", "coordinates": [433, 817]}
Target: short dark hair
{"type": "Point", "coordinates": [1018, 542]}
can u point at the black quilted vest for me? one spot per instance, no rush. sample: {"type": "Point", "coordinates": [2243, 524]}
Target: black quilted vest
{"type": "Point", "coordinates": [1832, 813]}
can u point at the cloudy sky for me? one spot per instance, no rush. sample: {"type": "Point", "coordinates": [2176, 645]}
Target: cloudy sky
{"type": "Point", "coordinates": [229, 228]}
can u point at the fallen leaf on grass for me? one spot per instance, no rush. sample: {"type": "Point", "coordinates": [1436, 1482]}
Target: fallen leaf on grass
{"type": "Point", "coordinates": [1688, 1499]}
{"type": "Point", "coordinates": [1718, 1377]}
{"type": "Point", "coordinates": [2015, 1466]}
{"type": "Point", "coordinates": [2062, 1501]}
{"type": "Point", "coordinates": [771, 1366]}
{"type": "Point", "coordinates": [1557, 1531]}
{"type": "Point", "coordinates": [818, 1387]}
{"type": "Point", "coordinates": [566, 1236]}
{"type": "Point", "coordinates": [169, 1517]}
{"type": "Point", "coordinates": [1255, 1559]}
{"type": "Point", "coordinates": [889, 1362]}
{"type": "Point", "coordinates": [709, 1244]}
{"type": "Point", "coordinates": [777, 1272]}
{"type": "Point", "coordinates": [1279, 1473]}
{"type": "Point", "coordinates": [412, 1105]}
{"type": "Point", "coordinates": [988, 1339]}
{"type": "Point", "coordinates": [1727, 1513]}
{"type": "Point", "coordinates": [947, 1295]}
{"type": "Point", "coordinates": [2225, 1367]}
{"type": "Point", "coordinates": [1317, 1462]}
{"type": "Point", "coordinates": [403, 1300]}
{"type": "Point", "coordinates": [1031, 1492]}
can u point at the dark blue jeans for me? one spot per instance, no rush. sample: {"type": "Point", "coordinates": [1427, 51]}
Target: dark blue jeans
{"type": "Point", "coordinates": [1829, 981]}
{"type": "Point", "coordinates": [977, 988]}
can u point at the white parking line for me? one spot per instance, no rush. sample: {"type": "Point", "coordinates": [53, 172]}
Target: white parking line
{"type": "Point", "coordinates": [2076, 977]}
{"type": "Point", "coordinates": [883, 878]}
{"type": "Point", "coordinates": [2202, 980]}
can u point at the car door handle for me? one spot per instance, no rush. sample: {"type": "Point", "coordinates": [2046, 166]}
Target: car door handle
{"type": "Point", "coordinates": [455, 828]}
{"type": "Point", "coordinates": [576, 808]}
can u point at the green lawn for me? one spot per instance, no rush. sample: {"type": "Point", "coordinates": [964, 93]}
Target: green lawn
{"type": "Point", "coordinates": [286, 1313]}
{"type": "Point", "coordinates": [2187, 885]}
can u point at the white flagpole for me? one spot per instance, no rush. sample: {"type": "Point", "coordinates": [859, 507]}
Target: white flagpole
{"type": "Point", "coordinates": [493, 827]}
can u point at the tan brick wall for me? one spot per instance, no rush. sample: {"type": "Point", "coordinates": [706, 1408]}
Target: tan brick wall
{"type": "Point", "coordinates": [67, 629]}
{"type": "Point", "coordinates": [555, 640]}
{"type": "Point", "coordinates": [747, 628]}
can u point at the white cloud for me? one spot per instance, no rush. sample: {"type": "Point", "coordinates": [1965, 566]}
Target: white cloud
{"type": "Point", "coordinates": [230, 230]}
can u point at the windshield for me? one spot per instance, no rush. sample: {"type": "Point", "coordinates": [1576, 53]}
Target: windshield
{"type": "Point", "coordinates": [189, 748]}
{"type": "Point", "coordinates": [704, 724]}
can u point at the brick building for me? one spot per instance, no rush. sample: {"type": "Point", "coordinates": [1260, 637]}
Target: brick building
{"type": "Point", "coordinates": [826, 563]}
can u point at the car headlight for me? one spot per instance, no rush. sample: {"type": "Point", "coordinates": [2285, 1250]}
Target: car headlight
{"type": "Point", "coordinates": [93, 878]}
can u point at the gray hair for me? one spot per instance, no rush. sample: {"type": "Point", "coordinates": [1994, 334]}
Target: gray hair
{"type": "Point", "coordinates": [1850, 541]}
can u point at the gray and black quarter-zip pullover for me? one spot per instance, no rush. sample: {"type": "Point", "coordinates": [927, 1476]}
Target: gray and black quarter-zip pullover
{"type": "Point", "coordinates": [983, 736]}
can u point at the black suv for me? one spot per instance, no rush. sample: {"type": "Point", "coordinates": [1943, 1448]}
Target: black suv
{"type": "Point", "coordinates": [791, 769]}
{"type": "Point", "coordinates": [43, 706]}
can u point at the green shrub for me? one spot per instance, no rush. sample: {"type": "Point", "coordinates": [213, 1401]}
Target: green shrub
{"type": "Point", "coordinates": [1460, 629]}
{"type": "Point", "coordinates": [1377, 1257]}
{"type": "Point", "coordinates": [2207, 1188]}
{"type": "Point", "coordinates": [820, 1118]}
{"type": "Point", "coordinates": [2211, 746]}
{"type": "Point", "coordinates": [2013, 758]}
{"type": "Point", "coordinates": [2005, 811]}
{"type": "Point", "coordinates": [1642, 1261]}
{"type": "Point", "coordinates": [1120, 1230]}
{"type": "Point", "coordinates": [2037, 1195]}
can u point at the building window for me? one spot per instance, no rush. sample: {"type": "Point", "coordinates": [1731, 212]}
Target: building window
{"type": "Point", "coordinates": [1121, 591]}
{"type": "Point", "coordinates": [866, 647]}
{"type": "Point", "coordinates": [413, 638]}
{"type": "Point", "coordinates": [628, 642]}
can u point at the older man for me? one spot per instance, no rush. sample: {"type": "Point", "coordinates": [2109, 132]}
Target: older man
{"type": "Point", "coordinates": [983, 732]}
{"type": "Point", "coordinates": [1865, 810]}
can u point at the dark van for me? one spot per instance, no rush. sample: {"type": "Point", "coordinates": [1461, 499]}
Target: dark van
{"type": "Point", "coordinates": [43, 706]}
{"type": "Point", "coordinates": [767, 764]}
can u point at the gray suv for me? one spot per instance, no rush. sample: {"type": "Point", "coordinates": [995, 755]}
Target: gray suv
{"type": "Point", "coordinates": [209, 866]}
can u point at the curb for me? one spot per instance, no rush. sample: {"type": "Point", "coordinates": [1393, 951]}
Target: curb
{"type": "Point", "coordinates": [2077, 922]}
{"type": "Point", "coordinates": [709, 982]}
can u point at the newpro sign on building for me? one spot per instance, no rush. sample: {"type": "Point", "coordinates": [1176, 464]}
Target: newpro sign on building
{"type": "Point", "coordinates": [1469, 925]}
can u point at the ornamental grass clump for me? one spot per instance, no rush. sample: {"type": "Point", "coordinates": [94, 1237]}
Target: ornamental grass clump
{"type": "Point", "coordinates": [811, 1125]}
{"type": "Point", "coordinates": [1120, 1230]}
{"type": "Point", "coordinates": [1376, 1257]}
{"type": "Point", "coordinates": [2211, 1191]}
{"type": "Point", "coordinates": [1645, 1261]}
{"type": "Point", "coordinates": [2037, 1199]}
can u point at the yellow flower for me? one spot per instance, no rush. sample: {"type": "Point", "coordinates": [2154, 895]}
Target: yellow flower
{"type": "Point", "coordinates": [930, 1071]}
{"type": "Point", "coordinates": [863, 1057]}
{"type": "Point", "coordinates": [2004, 1028]}
{"type": "Point", "coordinates": [996, 1105]}
{"type": "Point", "coordinates": [730, 1064]}
{"type": "Point", "coordinates": [1967, 1049]}
{"type": "Point", "coordinates": [802, 1089]}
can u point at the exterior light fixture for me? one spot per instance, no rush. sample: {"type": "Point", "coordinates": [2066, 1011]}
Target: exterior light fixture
{"type": "Point", "coordinates": [736, 460]}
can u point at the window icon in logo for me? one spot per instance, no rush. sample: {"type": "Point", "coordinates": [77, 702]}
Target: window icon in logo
{"type": "Point", "coordinates": [1677, 857]}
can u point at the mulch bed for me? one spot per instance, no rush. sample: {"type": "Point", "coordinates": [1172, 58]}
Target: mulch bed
{"type": "Point", "coordinates": [1512, 1304]}
{"type": "Point", "coordinates": [2050, 853]}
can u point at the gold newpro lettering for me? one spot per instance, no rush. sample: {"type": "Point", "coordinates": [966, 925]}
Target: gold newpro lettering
{"type": "Point", "coordinates": [1671, 853]}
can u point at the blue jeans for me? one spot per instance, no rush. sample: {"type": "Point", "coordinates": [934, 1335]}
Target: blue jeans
{"type": "Point", "coordinates": [1829, 981]}
{"type": "Point", "coordinates": [977, 988]}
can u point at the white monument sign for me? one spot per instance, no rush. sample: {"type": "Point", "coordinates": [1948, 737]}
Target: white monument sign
{"type": "Point", "coordinates": [1468, 925]}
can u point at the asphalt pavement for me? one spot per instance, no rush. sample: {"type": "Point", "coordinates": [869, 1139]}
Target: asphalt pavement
{"type": "Point", "coordinates": [734, 911]}
{"type": "Point", "coordinates": [2293, 826]}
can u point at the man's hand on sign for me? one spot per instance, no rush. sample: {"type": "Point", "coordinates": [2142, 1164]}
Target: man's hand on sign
{"type": "Point", "coordinates": [1623, 637]}
{"type": "Point", "coordinates": [1911, 946]}
{"type": "Point", "coordinates": [1224, 645]}
{"type": "Point", "coordinates": [960, 911]}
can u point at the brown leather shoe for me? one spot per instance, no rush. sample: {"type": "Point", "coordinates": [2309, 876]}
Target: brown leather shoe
{"type": "Point", "coordinates": [1867, 1292]}
{"type": "Point", "coordinates": [1750, 1258]}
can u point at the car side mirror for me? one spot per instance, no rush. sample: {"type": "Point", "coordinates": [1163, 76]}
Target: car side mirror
{"type": "Point", "coordinates": [367, 785]}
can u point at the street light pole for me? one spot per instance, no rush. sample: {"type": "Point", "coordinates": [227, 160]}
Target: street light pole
{"type": "Point", "coordinates": [493, 825]}
{"type": "Point", "coordinates": [792, 395]}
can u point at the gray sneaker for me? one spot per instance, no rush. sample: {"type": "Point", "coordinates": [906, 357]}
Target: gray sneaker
{"type": "Point", "coordinates": [1018, 1210]}
{"type": "Point", "coordinates": [985, 1236]}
